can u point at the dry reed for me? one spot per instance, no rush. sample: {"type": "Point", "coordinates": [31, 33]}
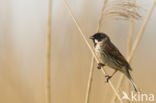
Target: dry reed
{"type": "Point", "coordinates": [130, 37]}
{"type": "Point", "coordinates": [130, 42]}
{"type": "Point", "coordinates": [93, 53]}
{"type": "Point", "coordinates": [101, 16]}
{"type": "Point", "coordinates": [138, 38]}
{"type": "Point", "coordinates": [48, 56]}
{"type": "Point", "coordinates": [89, 84]}
{"type": "Point", "coordinates": [124, 10]}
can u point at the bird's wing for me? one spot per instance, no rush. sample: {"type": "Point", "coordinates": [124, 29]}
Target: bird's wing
{"type": "Point", "coordinates": [115, 54]}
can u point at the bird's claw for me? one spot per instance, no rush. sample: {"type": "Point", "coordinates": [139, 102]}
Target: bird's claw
{"type": "Point", "coordinates": [100, 65]}
{"type": "Point", "coordinates": [107, 78]}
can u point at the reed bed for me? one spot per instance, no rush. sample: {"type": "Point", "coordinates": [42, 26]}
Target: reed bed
{"type": "Point", "coordinates": [17, 87]}
{"type": "Point", "coordinates": [124, 10]}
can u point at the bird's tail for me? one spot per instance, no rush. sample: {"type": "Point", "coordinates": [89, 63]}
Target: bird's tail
{"type": "Point", "coordinates": [131, 81]}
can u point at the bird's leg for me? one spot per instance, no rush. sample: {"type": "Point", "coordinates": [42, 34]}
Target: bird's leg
{"type": "Point", "coordinates": [109, 77]}
{"type": "Point", "coordinates": [100, 65]}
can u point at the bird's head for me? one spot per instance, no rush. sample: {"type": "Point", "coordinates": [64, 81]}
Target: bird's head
{"type": "Point", "coordinates": [98, 37]}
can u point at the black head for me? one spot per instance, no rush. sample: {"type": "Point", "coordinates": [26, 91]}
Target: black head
{"type": "Point", "coordinates": [99, 37]}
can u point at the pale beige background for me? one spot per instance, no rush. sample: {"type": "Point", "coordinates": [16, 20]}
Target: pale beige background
{"type": "Point", "coordinates": [23, 25]}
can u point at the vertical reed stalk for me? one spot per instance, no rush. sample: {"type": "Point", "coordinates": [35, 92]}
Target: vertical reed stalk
{"type": "Point", "coordinates": [129, 46]}
{"type": "Point", "coordinates": [89, 46]}
{"type": "Point", "coordinates": [89, 84]}
{"type": "Point", "coordinates": [138, 38]}
{"type": "Point", "coordinates": [130, 37]}
{"type": "Point", "coordinates": [48, 56]}
{"type": "Point", "coordinates": [101, 16]}
{"type": "Point", "coordinates": [130, 43]}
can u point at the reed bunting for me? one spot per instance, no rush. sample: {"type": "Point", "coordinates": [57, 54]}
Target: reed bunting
{"type": "Point", "coordinates": [110, 56]}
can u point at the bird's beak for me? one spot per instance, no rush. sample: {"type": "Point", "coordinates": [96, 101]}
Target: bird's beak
{"type": "Point", "coordinates": [91, 37]}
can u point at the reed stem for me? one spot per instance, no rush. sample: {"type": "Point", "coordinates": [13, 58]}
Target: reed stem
{"type": "Point", "coordinates": [89, 84]}
{"type": "Point", "coordinates": [48, 56]}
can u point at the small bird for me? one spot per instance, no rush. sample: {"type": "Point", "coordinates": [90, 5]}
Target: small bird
{"type": "Point", "coordinates": [110, 56]}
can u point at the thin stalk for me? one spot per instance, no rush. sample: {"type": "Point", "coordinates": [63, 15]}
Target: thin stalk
{"type": "Point", "coordinates": [89, 84]}
{"type": "Point", "coordinates": [138, 38]}
{"type": "Point", "coordinates": [90, 48]}
{"type": "Point", "coordinates": [130, 37]}
{"type": "Point", "coordinates": [101, 16]}
{"type": "Point", "coordinates": [129, 44]}
{"type": "Point", "coordinates": [48, 56]}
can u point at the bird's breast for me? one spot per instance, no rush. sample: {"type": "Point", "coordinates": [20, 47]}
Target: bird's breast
{"type": "Point", "coordinates": [100, 54]}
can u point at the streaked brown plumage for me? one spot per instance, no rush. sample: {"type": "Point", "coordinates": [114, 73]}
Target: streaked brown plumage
{"type": "Point", "coordinates": [110, 56]}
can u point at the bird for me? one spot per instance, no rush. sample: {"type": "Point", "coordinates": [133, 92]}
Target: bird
{"type": "Point", "coordinates": [109, 55]}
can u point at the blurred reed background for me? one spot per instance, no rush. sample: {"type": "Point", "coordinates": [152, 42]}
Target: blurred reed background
{"type": "Point", "coordinates": [23, 35]}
